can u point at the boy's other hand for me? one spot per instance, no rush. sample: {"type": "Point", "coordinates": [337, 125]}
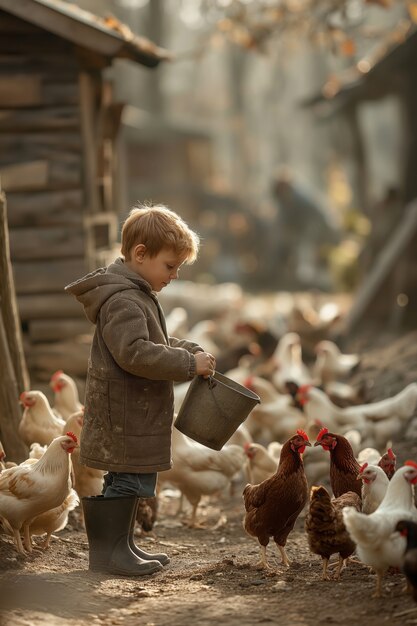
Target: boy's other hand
{"type": "Point", "coordinates": [205, 364]}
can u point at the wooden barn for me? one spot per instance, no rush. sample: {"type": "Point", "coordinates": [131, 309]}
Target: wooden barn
{"type": "Point", "coordinates": [387, 293]}
{"type": "Point", "coordinates": [59, 134]}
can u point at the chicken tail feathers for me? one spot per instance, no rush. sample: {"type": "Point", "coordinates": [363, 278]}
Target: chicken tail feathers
{"type": "Point", "coordinates": [361, 527]}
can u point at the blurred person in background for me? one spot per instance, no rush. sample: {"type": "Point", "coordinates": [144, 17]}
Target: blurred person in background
{"type": "Point", "coordinates": [306, 230]}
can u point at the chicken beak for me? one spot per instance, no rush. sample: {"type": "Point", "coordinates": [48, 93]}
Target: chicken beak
{"type": "Point", "coordinates": [307, 443]}
{"type": "Point", "coordinates": [317, 443]}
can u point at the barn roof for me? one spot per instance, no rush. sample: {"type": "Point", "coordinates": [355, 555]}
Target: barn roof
{"type": "Point", "coordinates": [374, 75]}
{"type": "Point", "coordinates": [104, 35]}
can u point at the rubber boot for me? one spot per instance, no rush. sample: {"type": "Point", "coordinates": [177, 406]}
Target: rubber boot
{"type": "Point", "coordinates": [162, 557]}
{"type": "Point", "coordinates": [107, 523]}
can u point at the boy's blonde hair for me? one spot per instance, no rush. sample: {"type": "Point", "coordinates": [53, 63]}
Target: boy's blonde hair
{"type": "Point", "coordinates": [158, 227]}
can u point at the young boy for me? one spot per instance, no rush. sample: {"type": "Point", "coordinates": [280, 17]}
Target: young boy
{"type": "Point", "coordinates": [129, 402]}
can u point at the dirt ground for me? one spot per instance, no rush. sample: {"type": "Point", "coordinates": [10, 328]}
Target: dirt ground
{"type": "Point", "coordinates": [212, 576]}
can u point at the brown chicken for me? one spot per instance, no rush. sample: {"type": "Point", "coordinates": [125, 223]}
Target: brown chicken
{"type": "Point", "coordinates": [326, 532]}
{"type": "Point", "coordinates": [408, 529]}
{"type": "Point", "coordinates": [344, 468]}
{"type": "Point", "coordinates": [146, 513]}
{"type": "Point", "coordinates": [273, 506]}
{"type": "Point", "coordinates": [388, 462]}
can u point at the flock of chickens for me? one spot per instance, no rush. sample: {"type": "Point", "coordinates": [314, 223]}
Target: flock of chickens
{"type": "Point", "coordinates": [356, 500]}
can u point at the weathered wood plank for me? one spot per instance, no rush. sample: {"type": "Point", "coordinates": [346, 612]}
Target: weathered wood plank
{"type": "Point", "coordinates": [67, 141]}
{"type": "Point", "coordinates": [42, 42]}
{"type": "Point", "coordinates": [90, 141]}
{"type": "Point", "coordinates": [58, 330]}
{"type": "Point", "coordinates": [48, 118]}
{"type": "Point", "coordinates": [21, 90]}
{"type": "Point", "coordinates": [47, 277]}
{"type": "Point", "coordinates": [40, 61]}
{"type": "Point", "coordinates": [41, 174]}
{"type": "Point", "coordinates": [70, 356]}
{"type": "Point", "coordinates": [41, 306]}
{"type": "Point", "coordinates": [46, 243]}
{"type": "Point", "coordinates": [30, 175]}
{"type": "Point", "coordinates": [45, 208]}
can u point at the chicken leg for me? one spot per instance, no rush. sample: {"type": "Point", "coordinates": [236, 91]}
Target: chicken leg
{"type": "Point", "coordinates": [340, 567]}
{"type": "Point", "coordinates": [284, 557]}
{"type": "Point", "coordinates": [263, 564]}
{"type": "Point", "coordinates": [26, 536]}
{"type": "Point", "coordinates": [377, 593]}
{"type": "Point", "coordinates": [18, 541]}
{"type": "Point", "coordinates": [325, 575]}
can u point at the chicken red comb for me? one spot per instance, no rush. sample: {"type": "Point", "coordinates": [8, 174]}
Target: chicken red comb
{"type": "Point", "coordinates": [302, 434]}
{"type": "Point", "coordinates": [321, 434]}
{"type": "Point", "coordinates": [57, 374]}
{"type": "Point", "coordinates": [73, 437]}
{"type": "Point", "coordinates": [246, 446]}
{"type": "Point", "coordinates": [363, 468]}
{"type": "Point", "coordinates": [391, 454]}
{"type": "Point", "coordinates": [22, 396]}
{"type": "Point", "coordinates": [304, 388]}
{"type": "Point", "coordinates": [248, 383]}
{"type": "Point", "coordinates": [411, 464]}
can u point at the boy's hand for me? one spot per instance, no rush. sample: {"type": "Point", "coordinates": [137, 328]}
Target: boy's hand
{"type": "Point", "coordinates": [205, 364]}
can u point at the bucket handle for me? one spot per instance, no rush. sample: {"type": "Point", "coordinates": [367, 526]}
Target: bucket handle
{"type": "Point", "coordinates": [212, 383]}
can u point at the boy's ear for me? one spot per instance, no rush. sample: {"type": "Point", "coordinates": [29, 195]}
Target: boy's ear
{"type": "Point", "coordinates": [139, 252]}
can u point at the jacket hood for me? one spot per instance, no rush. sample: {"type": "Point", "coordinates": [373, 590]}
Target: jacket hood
{"type": "Point", "coordinates": [94, 289]}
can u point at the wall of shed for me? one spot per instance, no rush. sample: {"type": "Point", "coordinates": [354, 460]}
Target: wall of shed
{"type": "Point", "coordinates": [43, 164]}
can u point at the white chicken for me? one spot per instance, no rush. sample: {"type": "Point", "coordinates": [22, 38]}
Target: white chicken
{"type": "Point", "coordinates": [36, 450]}
{"type": "Point", "coordinates": [204, 333]}
{"type": "Point", "coordinates": [38, 422]}
{"type": "Point", "coordinates": [376, 421]}
{"type": "Point", "coordinates": [331, 364]}
{"type": "Point", "coordinates": [264, 389]}
{"type": "Point", "coordinates": [177, 322]}
{"type": "Point", "coordinates": [374, 487]}
{"type": "Point", "coordinates": [241, 436]}
{"type": "Point", "coordinates": [276, 420]}
{"type": "Point", "coordinates": [260, 464]}
{"type": "Point", "coordinates": [199, 471]}
{"type": "Point", "coordinates": [26, 491]}
{"type": "Point", "coordinates": [316, 466]}
{"type": "Point", "coordinates": [54, 520]}
{"type": "Point", "coordinates": [88, 481]}
{"type": "Point", "coordinates": [290, 366]}
{"type": "Point", "coordinates": [377, 545]}
{"type": "Point", "coordinates": [274, 449]}
{"type": "Point", "coordinates": [180, 391]}
{"type": "Point", "coordinates": [368, 455]}
{"type": "Point", "coordinates": [66, 399]}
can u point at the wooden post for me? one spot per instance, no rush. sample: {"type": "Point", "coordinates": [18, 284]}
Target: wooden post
{"type": "Point", "coordinates": [398, 242]}
{"type": "Point", "coordinates": [14, 375]}
{"type": "Point", "coordinates": [10, 414]}
{"type": "Point", "coordinates": [8, 304]}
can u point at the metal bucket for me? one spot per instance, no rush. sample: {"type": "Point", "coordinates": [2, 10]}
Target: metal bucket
{"type": "Point", "coordinates": [213, 409]}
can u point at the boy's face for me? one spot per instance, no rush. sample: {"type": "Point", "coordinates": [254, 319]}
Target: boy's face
{"type": "Point", "coordinates": [159, 270]}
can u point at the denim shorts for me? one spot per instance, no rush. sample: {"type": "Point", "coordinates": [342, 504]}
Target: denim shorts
{"type": "Point", "coordinates": [124, 484]}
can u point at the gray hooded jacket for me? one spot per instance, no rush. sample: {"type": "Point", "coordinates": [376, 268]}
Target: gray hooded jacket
{"type": "Point", "coordinates": [129, 402]}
